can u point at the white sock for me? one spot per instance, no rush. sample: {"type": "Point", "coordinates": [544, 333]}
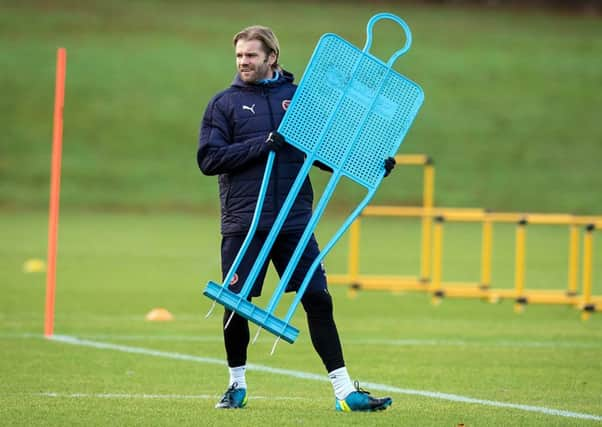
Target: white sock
{"type": "Point", "coordinates": [341, 383]}
{"type": "Point", "coordinates": [237, 375]}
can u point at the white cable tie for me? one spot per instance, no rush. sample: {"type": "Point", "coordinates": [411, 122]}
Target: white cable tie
{"type": "Point", "coordinates": [256, 335]}
{"type": "Point", "coordinates": [229, 320]}
{"type": "Point", "coordinates": [210, 310]}
{"type": "Point", "coordinates": [274, 346]}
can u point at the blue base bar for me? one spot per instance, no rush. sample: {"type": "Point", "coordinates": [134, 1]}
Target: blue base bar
{"type": "Point", "coordinates": [251, 312]}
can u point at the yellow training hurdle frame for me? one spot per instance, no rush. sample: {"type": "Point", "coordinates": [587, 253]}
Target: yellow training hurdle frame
{"type": "Point", "coordinates": [432, 228]}
{"type": "Point", "coordinates": [428, 197]}
{"type": "Point", "coordinates": [519, 293]}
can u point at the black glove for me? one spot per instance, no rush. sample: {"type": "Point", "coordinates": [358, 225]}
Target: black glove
{"type": "Point", "coordinates": [275, 141]}
{"type": "Point", "coordinates": [389, 165]}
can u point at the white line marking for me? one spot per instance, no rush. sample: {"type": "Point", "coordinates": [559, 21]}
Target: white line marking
{"type": "Point", "coordinates": [150, 396]}
{"type": "Point", "coordinates": [310, 376]}
{"type": "Point", "coordinates": [467, 343]}
{"type": "Point", "coordinates": [348, 341]}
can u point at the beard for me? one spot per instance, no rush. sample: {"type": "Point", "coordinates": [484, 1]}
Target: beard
{"type": "Point", "coordinates": [254, 73]}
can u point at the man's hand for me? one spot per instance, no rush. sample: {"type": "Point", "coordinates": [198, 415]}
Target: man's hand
{"type": "Point", "coordinates": [275, 141]}
{"type": "Point", "coordinates": [389, 165]}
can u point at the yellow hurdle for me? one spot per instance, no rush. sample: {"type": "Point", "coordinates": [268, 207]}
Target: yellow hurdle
{"type": "Point", "coordinates": [428, 200]}
{"type": "Point", "coordinates": [353, 277]}
{"type": "Point", "coordinates": [573, 259]}
{"type": "Point", "coordinates": [431, 276]}
{"type": "Point", "coordinates": [354, 256]}
{"type": "Point", "coordinates": [587, 306]}
{"type": "Point", "coordinates": [437, 293]}
{"type": "Point", "coordinates": [486, 246]}
{"type": "Point", "coordinates": [519, 266]}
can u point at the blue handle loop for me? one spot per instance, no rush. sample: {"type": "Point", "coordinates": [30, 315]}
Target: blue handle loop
{"type": "Point", "coordinates": [403, 25]}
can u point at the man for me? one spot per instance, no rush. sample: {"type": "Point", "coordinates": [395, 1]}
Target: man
{"type": "Point", "coordinates": [237, 133]}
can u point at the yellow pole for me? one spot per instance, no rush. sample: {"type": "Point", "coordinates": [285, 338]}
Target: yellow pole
{"type": "Point", "coordinates": [588, 243]}
{"type": "Point", "coordinates": [427, 221]}
{"type": "Point", "coordinates": [437, 260]}
{"type": "Point", "coordinates": [573, 259]}
{"type": "Point", "coordinates": [412, 159]}
{"type": "Point", "coordinates": [486, 254]}
{"type": "Point", "coordinates": [519, 266]}
{"type": "Point", "coordinates": [354, 256]}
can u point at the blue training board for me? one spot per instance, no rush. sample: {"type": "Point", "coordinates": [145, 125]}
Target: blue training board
{"type": "Point", "coordinates": [345, 91]}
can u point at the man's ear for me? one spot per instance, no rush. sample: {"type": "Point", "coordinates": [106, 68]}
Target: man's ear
{"type": "Point", "coordinates": [271, 59]}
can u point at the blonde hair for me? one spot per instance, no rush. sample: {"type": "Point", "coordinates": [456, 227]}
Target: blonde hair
{"type": "Point", "coordinates": [267, 38]}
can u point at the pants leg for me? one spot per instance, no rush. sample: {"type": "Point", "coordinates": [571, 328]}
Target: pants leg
{"type": "Point", "coordinates": [322, 329]}
{"type": "Point", "coordinates": [237, 335]}
{"type": "Point", "coordinates": [316, 301]}
{"type": "Point", "coordinates": [236, 339]}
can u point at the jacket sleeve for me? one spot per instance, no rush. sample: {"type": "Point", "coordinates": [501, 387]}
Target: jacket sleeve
{"type": "Point", "coordinates": [217, 154]}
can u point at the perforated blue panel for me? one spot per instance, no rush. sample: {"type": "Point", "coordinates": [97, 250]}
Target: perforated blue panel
{"type": "Point", "coordinates": [351, 109]}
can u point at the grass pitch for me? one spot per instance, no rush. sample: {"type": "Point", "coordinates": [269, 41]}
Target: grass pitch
{"type": "Point", "coordinates": [113, 269]}
{"type": "Point", "coordinates": [511, 118]}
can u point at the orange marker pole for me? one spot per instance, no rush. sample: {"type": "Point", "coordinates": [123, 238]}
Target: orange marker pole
{"type": "Point", "coordinates": [55, 189]}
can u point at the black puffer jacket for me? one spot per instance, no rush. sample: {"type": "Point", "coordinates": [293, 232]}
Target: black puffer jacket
{"type": "Point", "coordinates": [232, 145]}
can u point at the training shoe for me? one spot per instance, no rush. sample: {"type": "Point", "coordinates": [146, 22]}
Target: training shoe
{"type": "Point", "coordinates": [361, 400]}
{"type": "Point", "coordinates": [233, 398]}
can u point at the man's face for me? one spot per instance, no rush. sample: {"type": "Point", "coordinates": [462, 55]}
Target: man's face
{"type": "Point", "coordinates": [252, 63]}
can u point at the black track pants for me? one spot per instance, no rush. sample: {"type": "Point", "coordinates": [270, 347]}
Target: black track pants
{"type": "Point", "coordinates": [322, 329]}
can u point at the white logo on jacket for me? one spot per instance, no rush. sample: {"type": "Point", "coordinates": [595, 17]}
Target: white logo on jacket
{"type": "Point", "coordinates": [251, 108]}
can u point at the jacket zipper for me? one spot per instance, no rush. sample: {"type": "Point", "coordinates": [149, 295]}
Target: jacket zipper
{"type": "Point", "coordinates": [275, 174]}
